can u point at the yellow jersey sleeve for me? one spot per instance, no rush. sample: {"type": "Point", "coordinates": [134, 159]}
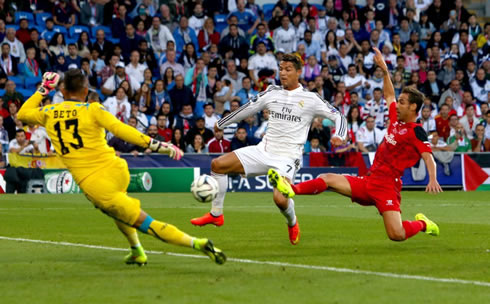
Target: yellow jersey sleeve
{"type": "Point", "coordinates": [30, 112]}
{"type": "Point", "coordinates": [116, 127]}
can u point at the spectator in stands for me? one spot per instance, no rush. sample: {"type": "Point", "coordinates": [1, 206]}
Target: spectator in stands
{"type": "Point", "coordinates": [468, 100]}
{"type": "Point", "coordinates": [481, 86]}
{"type": "Point", "coordinates": [184, 35]}
{"type": "Point", "coordinates": [134, 68]}
{"type": "Point", "coordinates": [16, 47]}
{"type": "Point", "coordinates": [319, 131]}
{"type": "Point", "coordinates": [109, 69]}
{"type": "Point", "coordinates": [240, 139]}
{"type": "Point", "coordinates": [314, 47]}
{"type": "Point", "coordinates": [262, 128]}
{"type": "Point", "coordinates": [122, 146]}
{"type": "Point", "coordinates": [31, 67]}
{"type": "Point", "coordinates": [113, 82]}
{"type": "Point", "coordinates": [21, 145]}
{"type": "Point", "coordinates": [218, 144]}
{"type": "Point", "coordinates": [4, 138]}
{"type": "Point", "coordinates": [118, 24]}
{"type": "Point", "coordinates": [184, 120]}
{"type": "Point", "coordinates": [163, 129]}
{"type": "Point", "coordinates": [103, 46]}
{"type": "Point", "coordinates": [167, 18]}
{"type": "Point", "coordinates": [178, 139]}
{"type": "Point", "coordinates": [442, 122]}
{"type": "Point", "coordinates": [232, 75]}
{"type": "Point", "coordinates": [455, 92]}
{"type": "Point", "coordinates": [181, 95]}
{"type": "Point", "coordinates": [469, 121]}
{"type": "Point", "coordinates": [376, 108]}
{"type": "Point", "coordinates": [188, 57]}
{"type": "Point", "coordinates": [171, 63]}
{"type": "Point", "coordinates": [285, 7]}
{"type": "Point", "coordinates": [129, 42]}
{"type": "Point", "coordinates": [198, 128]}
{"type": "Point", "coordinates": [262, 35]}
{"type": "Point", "coordinates": [118, 105]}
{"type": "Point", "coordinates": [208, 35]}
{"type": "Point", "coordinates": [145, 102]}
{"type": "Point", "coordinates": [210, 118]}
{"type": "Point", "coordinates": [57, 45]}
{"type": "Point", "coordinates": [262, 65]}
{"type": "Point", "coordinates": [84, 45]}
{"type": "Point", "coordinates": [91, 13]}
{"type": "Point", "coordinates": [158, 35]}
{"type": "Point", "coordinates": [197, 146]}
{"type": "Point", "coordinates": [72, 56]}
{"type": "Point", "coordinates": [9, 122]}
{"type": "Point", "coordinates": [8, 63]}
{"type": "Point", "coordinates": [196, 21]}
{"type": "Point", "coordinates": [64, 15]}
{"type": "Point", "coordinates": [433, 87]}
{"type": "Point", "coordinates": [12, 96]}
{"type": "Point", "coordinates": [23, 33]}
{"type": "Point", "coordinates": [153, 133]}
{"type": "Point", "coordinates": [460, 140]}
{"type": "Point", "coordinates": [480, 143]}
{"type": "Point", "coordinates": [285, 36]}
{"type": "Point", "coordinates": [369, 137]}
{"type": "Point", "coordinates": [426, 120]}
{"type": "Point", "coordinates": [354, 81]}
{"type": "Point", "coordinates": [246, 92]}
{"type": "Point", "coordinates": [233, 45]}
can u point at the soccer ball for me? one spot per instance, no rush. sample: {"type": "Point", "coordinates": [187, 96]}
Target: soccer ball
{"type": "Point", "coordinates": [204, 188]}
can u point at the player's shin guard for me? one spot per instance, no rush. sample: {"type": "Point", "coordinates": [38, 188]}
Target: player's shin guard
{"type": "Point", "coordinates": [217, 204]}
{"type": "Point", "coordinates": [129, 232]}
{"type": "Point", "coordinates": [412, 228]}
{"type": "Point", "coordinates": [165, 232]}
{"type": "Point", "coordinates": [313, 186]}
{"type": "Point", "coordinates": [289, 213]}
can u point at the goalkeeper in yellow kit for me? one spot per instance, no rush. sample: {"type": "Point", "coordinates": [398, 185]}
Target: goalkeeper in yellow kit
{"type": "Point", "coordinates": [77, 131]}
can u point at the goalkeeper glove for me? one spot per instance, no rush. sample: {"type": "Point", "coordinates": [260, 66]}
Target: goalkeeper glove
{"type": "Point", "coordinates": [165, 148]}
{"type": "Point", "coordinates": [50, 81]}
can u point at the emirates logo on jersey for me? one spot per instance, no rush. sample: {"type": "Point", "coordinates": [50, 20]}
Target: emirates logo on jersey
{"type": "Point", "coordinates": [390, 138]}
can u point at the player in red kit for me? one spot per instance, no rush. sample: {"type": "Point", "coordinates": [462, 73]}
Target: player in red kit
{"type": "Point", "coordinates": [404, 144]}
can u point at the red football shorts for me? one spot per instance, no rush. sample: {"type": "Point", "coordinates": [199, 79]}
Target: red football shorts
{"type": "Point", "coordinates": [382, 192]}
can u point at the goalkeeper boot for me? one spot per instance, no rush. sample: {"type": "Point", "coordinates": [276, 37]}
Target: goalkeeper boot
{"type": "Point", "coordinates": [207, 247]}
{"type": "Point", "coordinates": [431, 228]}
{"type": "Point", "coordinates": [208, 218]}
{"type": "Point", "coordinates": [294, 233]}
{"type": "Point", "coordinates": [278, 182]}
{"type": "Point", "coordinates": [136, 256]}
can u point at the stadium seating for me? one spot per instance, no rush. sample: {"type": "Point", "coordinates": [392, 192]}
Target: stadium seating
{"type": "Point", "coordinates": [14, 26]}
{"type": "Point", "coordinates": [220, 22]}
{"type": "Point", "coordinates": [30, 82]}
{"type": "Point", "coordinates": [25, 92]}
{"type": "Point", "coordinates": [60, 29]}
{"type": "Point", "coordinates": [41, 18]}
{"type": "Point", "coordinates": [267, 8]}
{"type": "Point", "coordinates": [76, 30]}
{"type": "Point", "coordinates": [24, 15]}
{"type": "Point", "coordinates": [107, 30]}
{"type": "Point", "coordinates": [18, 80]}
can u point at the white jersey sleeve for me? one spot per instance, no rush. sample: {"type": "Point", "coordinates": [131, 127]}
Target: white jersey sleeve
{"type": "Point", "coordinates": [255, 104]}
{"type": "Point", "coordinates": [325, 109]}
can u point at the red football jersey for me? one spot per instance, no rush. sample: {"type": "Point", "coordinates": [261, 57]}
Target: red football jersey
{"type": "Point", "coordinates": [401, 148]}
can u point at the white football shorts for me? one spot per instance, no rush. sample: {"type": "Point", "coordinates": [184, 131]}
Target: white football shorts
{"type": "Point", "coordinates": [256, 161]}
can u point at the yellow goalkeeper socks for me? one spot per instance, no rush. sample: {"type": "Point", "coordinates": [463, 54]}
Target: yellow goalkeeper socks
{"type": "Point", "coordinates": [129, 232]}
{"type": "Point", "coordinates": [166, 232]}
{"type": "Point", "coordinates": [170, 234]}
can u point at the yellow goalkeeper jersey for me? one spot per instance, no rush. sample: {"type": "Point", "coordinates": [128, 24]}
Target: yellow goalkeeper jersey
{"type": "Point", "coordinates": [77, 131]}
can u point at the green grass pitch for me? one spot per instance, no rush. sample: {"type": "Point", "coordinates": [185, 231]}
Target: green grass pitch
{"type": "Point", "coordinates": [336, 235]}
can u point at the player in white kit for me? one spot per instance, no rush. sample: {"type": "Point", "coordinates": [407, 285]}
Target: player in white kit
{"type": "Point", "coordinates": [292, 109]}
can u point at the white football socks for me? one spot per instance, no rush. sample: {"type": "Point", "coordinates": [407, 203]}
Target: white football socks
{"type": "Point", "coordinates": [289, 213]}
{"type": "Point", "coordinates": [217, 204]}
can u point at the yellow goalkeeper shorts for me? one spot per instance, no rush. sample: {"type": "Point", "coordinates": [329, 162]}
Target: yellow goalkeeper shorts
{"type": "Point", "coordinates": [106, 189]}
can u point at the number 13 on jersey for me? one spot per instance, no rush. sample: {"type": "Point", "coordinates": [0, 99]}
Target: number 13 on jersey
{"type": "Point", "coordinates": [68, 129]}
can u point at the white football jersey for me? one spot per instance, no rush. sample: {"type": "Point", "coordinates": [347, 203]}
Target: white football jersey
{"type": "Point", "coordinates": [291, 114]}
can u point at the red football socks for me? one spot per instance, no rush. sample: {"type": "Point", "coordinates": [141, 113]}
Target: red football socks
{"type": "Point", "coordinates": [413, 227]}
{"type": "Point", "coordinates": [313, 186]}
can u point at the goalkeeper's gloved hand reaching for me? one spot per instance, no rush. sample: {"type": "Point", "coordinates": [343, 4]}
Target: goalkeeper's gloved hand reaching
{"type": "Point", "coordinates": [165, 148]}
{"type": "Point", "coordinates": [50, 82]}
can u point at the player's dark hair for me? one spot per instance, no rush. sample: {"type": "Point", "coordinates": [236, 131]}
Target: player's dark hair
{"type": "Point", "coordinates": [468, 106]}
{"type": "Point", "coordinates": [20, 131]}
{"type": "Point", "coordinates": [74, 81]}
{"type": "Point", "coordinates": [294, 59]}
{"type": "Point", "coordinates": [414, 96]}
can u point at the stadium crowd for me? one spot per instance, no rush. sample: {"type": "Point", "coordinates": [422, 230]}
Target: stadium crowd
{"type": "Point", "coordinates": [172, 68]}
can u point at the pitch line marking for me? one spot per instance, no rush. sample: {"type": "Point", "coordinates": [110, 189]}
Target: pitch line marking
{"type": "Point", "coordinates": [271, 263]}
